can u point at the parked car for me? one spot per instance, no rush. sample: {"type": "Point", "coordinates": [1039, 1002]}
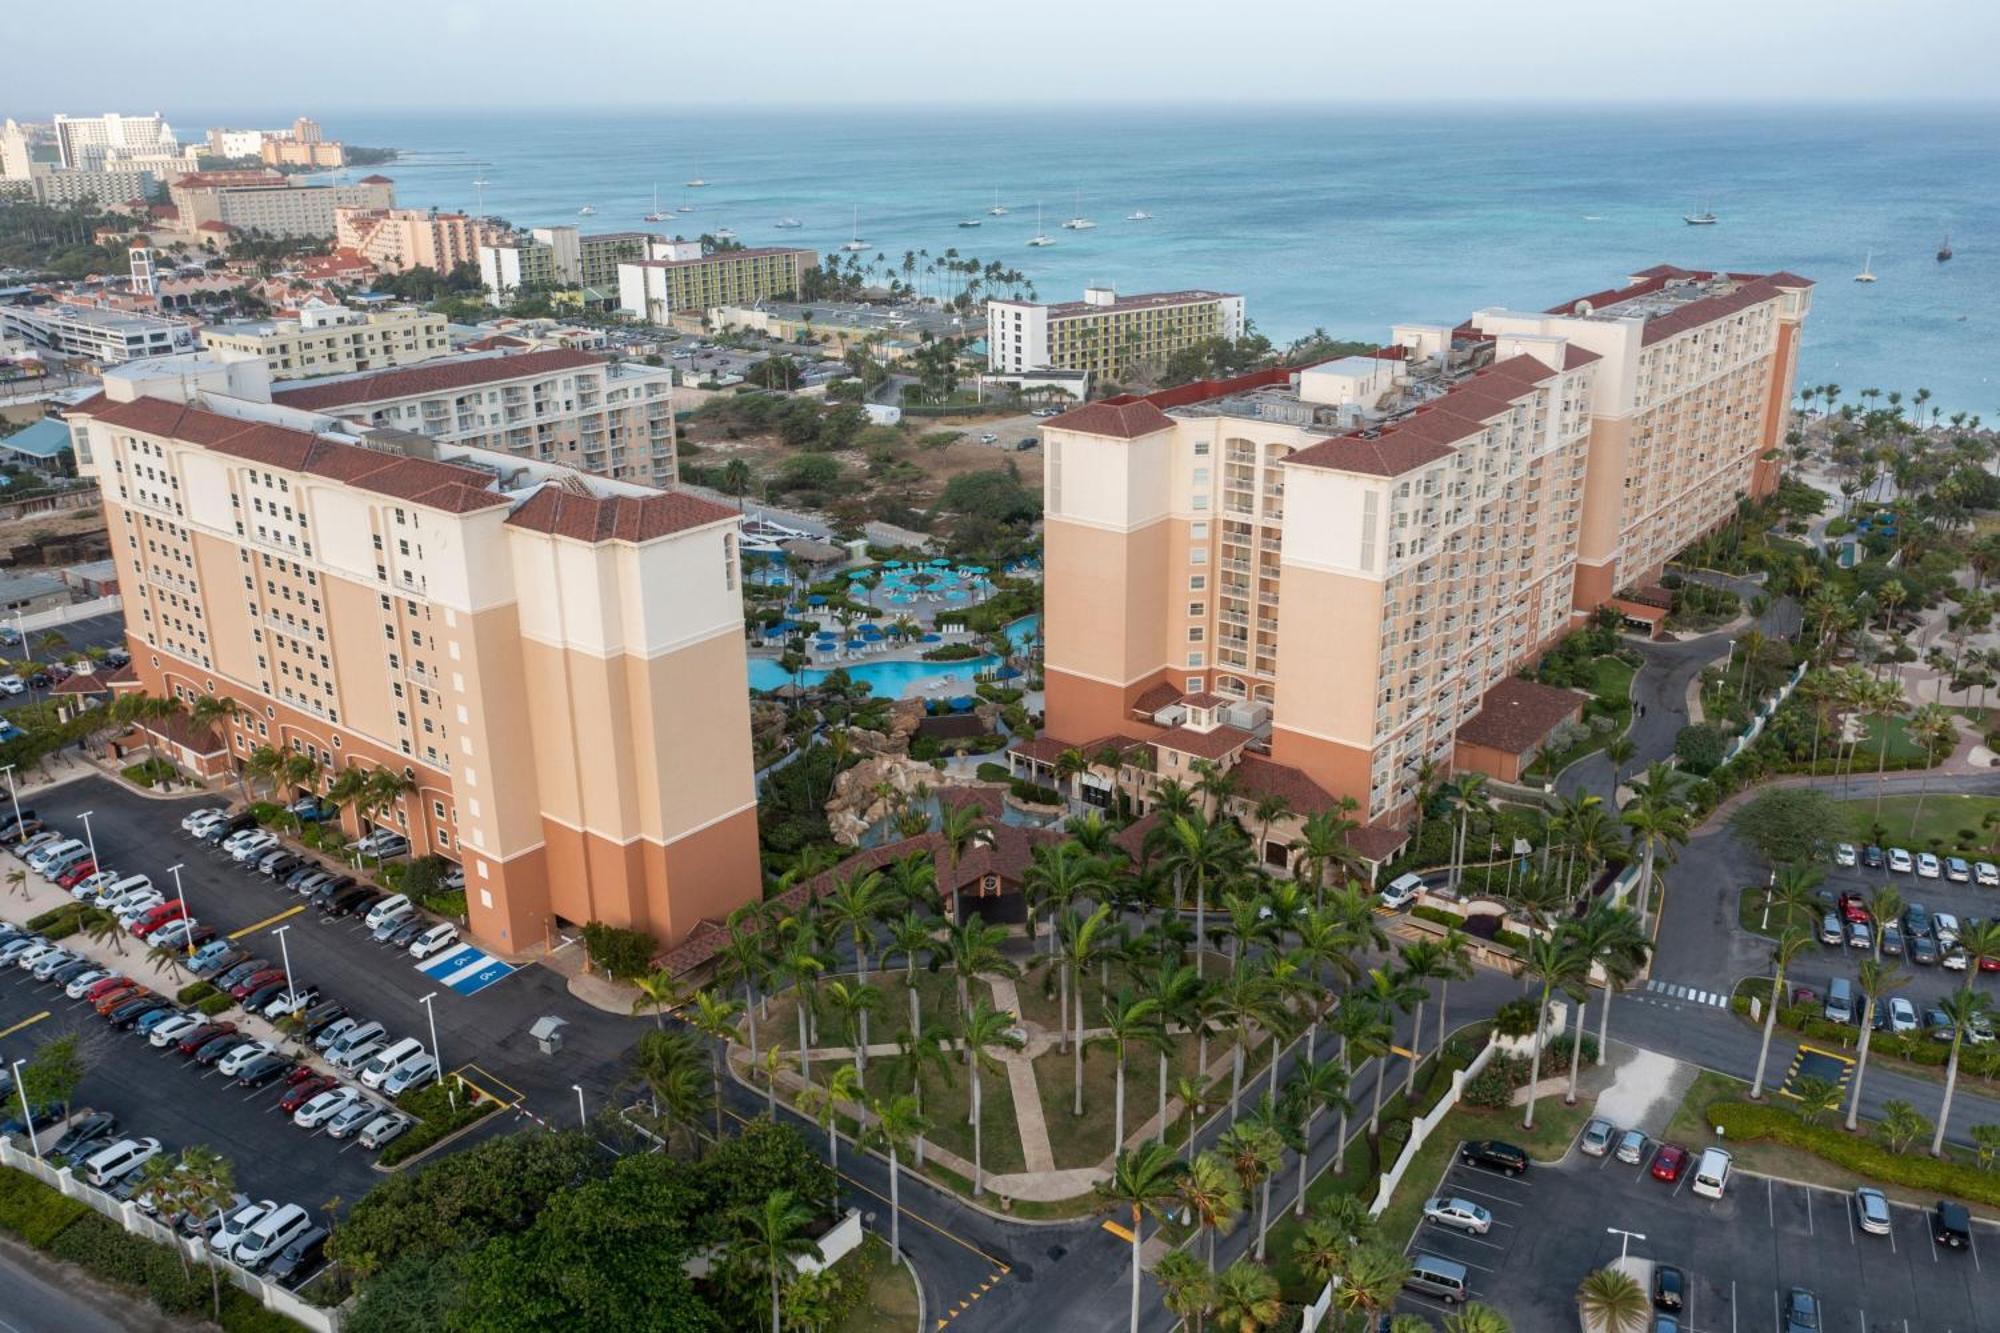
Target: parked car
{"type": "Point", "coordinates": [86, 1129]}
{"type": "Point", "coordinates": [1845, 855]}
{"type": "Point", "coordinates": [383, 1128]}
{"type": "Point", "coordinates": [1923, 950]}
{"type": "Point", "coordinates": [1900, 861]}
{"type": "Point", "coordinates": [436, 939]}
{"type": "Point", "coordinates": [325, 1106]}
{"type": "Point", "coordinates": [237, 1225]}
{"type": "Point", "coordinates": [248, 850]}
{"type": "Point", "coordinates": [407, 930]}
{"type": "Point", "coordinates": [291, 1001]}
{"type": "Point", "coordinates": [344, 1123]}
{"type": "Point", "coordinates": [218, 1048]}
{"type": "Point", "coordinates": [114, 1162]}
{"type": "Point", "coordinates": [1669, 1162]}
{"type": "Point", "coordinates": [173, 1029]}
{"type": "Point", "coordinates": [413, 1072]}
{"type": "Point", "coordinates": [239, 1058]}
{"type": "Point", "coordinates": [1902, 1015]}
{"type": "Point", "coordinates": [1669, 1287]}
{"type": "Point", "coordinates": [1892, 940]}
{"type": "Point", "coordinates": [333, 1032]}
{"type": "Point", "coordinates": [1945, 927]}
{"type": "Point", "coordinates": [195, 1039]}
{"type": "Point", "coordinates": [1871, 1211]}
{"type": "Point", "coordinates": [1957, 870]}
{"type": "Point", "coordinates": [304, 1090]}
{"type": "Point", "coordinates": [80, 984]}
{"type": "Point", "coordinates": [1928, 866]}
{"type": "Point", "coordinates": [1987, 874]}
{"type": "Point", "coordinates": [1800, 1313]}
{"type": "Point", "coordinates": [1951, 1225]}
{"type": "Point", "coordinates": [1831, 929]}
{"type": "Point", "coordinates": [1632, 1147]}
{"type": "Point", "coordinates": [1459, 1214]}
{"type": "Point", "coordinates": [300, 1259]}
{"type": "Point", "coordinates": [263, 1070]}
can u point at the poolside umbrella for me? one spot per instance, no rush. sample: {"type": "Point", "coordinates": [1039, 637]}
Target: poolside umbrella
{"type": "Point", "coordinates": [940, 563]}
{"type": "Point", "coordinates": [815, 600]}
{"type": "Point", "coordinates": [892, 564]}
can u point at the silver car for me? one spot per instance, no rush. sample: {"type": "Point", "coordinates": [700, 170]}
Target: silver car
{"type": "Point", "coordinates": [1597, 1136]}
{"type": "Point", "coordinates": [1459, 1214]}
{"type": "Point", "coordinates": [1871, 1211]}
{"type": "Point", "coordinates": [1632, 1146]}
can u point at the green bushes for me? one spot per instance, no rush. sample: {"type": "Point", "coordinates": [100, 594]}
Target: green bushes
{"type": "Point", "coordinates": [214, 1005]}
{"type": "Point", "coordinates": [194, 991]}
{"type": "Point", "coordinates": [992, 772]}
{"type": "Point", "coordinates": [439, 1113]}
{"type": "Point", "coordinates": [1699, 748]}
{"type": "Point", "coordinates": [954, 652]}
{"type": "Point", "coordinates": [1029, 793]}
{"type": "Point", "coordinates": [622, 953]}
{"type": "Point", "coordinates": [41, 921]}
{"type": "Point", "coordinates": [1863, 1156]}
{"type": "Point", "coordinates": [33, 1211]}
{"type": "Point", "coordinates": [152, 773]}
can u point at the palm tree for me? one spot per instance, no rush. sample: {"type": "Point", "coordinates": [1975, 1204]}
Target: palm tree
{"type": "Point", "coordinates": [823, 1103]}
{"type": "Point", "coordinates": [1216, 785]}
{"type": "Point", "coordinates": [921, 1051]}
{"type": "Point", "coordinates": [267, 765]}
{"type": "Point", "coordinates": [1788, 946]}
{"type": "Point", "coordinates": [1314, 1088]}
{"type": "Point", "coordinates": [1187, 1289]}
{"type": "Point", "coordinates": [1144, 1180]}
{"type": "Point", "coordinates": [208, 1184]}
{"type": "Point", "coordinates": [1212, 1195]}
{"type": "Point", "coordinates": [854, 904]}
{"type": "Point", "coordinates": [985, 1029]}
{"type": "Point", "coordinates": [1080, 938]}
{"type": "Point", "coordinates": [908, 935]}
{"type": "Point", "coordinates": [1614, 939]}
{"type": "Point", "coordinates": [768, 1236]}
{"type": "Point", "coordinates": [799, 959]}
{"type": "Point", "coordinates": [1657, 825]}
{"type": "Point", "coordinates": [1176, 989]}
{"type": "Point", "coordinates": [1324, 941]}
{"type": "Point", "coordinates": [1611, 1302]}
{"type": "Point", "coordinates": [1454, 964]}
{"type": "Point", "coordinates": [853, 1001]}
{"type": "Point", "coordinates": [1069, 764]}
{"type": "Point", "coordinates": [714, 1017]}
{"type": "Point", "coordinates": [1364, 1031]}
{"type": "Point", "coordinates": [1553, 961]}
{"type": "Point", "coordinates": [1466, 794]}
{"type": "Point", "coordinates": [1270, 808]}
{"type": "Point", "coordinates": [1877, 980]}
{"type": "Point", "coordinates": [1246, 1298]}
{"type": "Point", "coordinates": [1241, 1000]}
{"type": "Point", "coordinates": [100, 927]}
{"type": "Point", "coordinates": [1619, 750]}
{"type": "Point", "coordinates": [1964, 1009]}
{"type": "Point", "coordinates": [658, 991]}
{"type": "Point", "coordinates": [1128, 1020]}
{"type": "Point", "coordinates": [1423, 963]}
{"type": "Point", "coordinates": [1372, 1276]}
{"type": "Point", "coordinates": [675, 1075]}
{"type": "Point", "coordinates": [897, 1122]}
{"type": "Point", "coordinates": [1057, 875]}
{"type": "Point", "coordinates": [1385, 993]}
{"type": "Point", "coordinates": [1936, 729]}
{"type": "Point", "coordinates": [1198, 854]}
{"type": "Point", "coordinates": [1477, 1317]}
{"type": "Point", "coordinates": [958, 827]}
{"type": "Point", "coordinates": [743, 962]}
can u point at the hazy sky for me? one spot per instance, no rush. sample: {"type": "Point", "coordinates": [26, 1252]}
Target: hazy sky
{"type": "Point", "coordinates": [281, 55]}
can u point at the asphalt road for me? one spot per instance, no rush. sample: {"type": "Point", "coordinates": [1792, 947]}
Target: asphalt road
{"type": "Point", "coordinates": [38, 1297]}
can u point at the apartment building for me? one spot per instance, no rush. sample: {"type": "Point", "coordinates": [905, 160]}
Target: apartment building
{"type": "Point", "coordinates": [54, 187]}
{"type": "Point", "coordinates": [560, 257]}
{"type": "Point", "coordinates": [329, 339]}
{"type": "Point", "coordinates": [88, 142]}
{"type": "Point", "coordinates": [17, 151]}
{"type": "Point", "coordinates": [554, 661]}
{"type": "Point", "coordinates": [1104, 332]}
{"type": "Point", "coordinates": [303, 145]}
{"type": "Point", "coordinates": [272, 202]}
{"type": "Point", "coordinates": [613, 418]}
{"type": "Point", "coordinates": [400, 239]}
{"type": "Point", "coordinates": [678, 276]}
{"type": "Point", "coordinates": [97, 333]}
{"type": "Point", "coordinates": [1328, 570]}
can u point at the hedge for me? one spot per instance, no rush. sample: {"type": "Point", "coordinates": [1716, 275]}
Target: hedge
{"type": "Point", "coordinates": [33, 1211]}
{"type": "Point", "coordinates": [193, 991]}
{"type": "Point", "coordinates": [214, 1004]}
{"type": "Point", "coordinates": [1863, 1156]}
{"type": "Point", "coordinates": [436, 1118]}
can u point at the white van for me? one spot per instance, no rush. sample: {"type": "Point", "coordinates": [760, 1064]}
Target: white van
{"type": "Point", "coordinates": [353, 1039]}
{"type": "Point", "coordinates": [40, 859]}
{"type": "Point", "coordinates": [109, 1165]}
{"type": "Point", "coordinates": [1712, 1173]}
{"type": "Point", "coordinates": [385, 1061]}
{"type": "Point", "coordinates": [388, 907]}
{"type": "Point", "coordinates": [272, 1233]}
{"type": "Point", "coordinates": [130, 886]}
{"type": "Point", "coordinates": [1402, 891]}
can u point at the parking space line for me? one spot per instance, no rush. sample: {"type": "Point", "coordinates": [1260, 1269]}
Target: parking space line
{"type": "Point", "coordinates": [1770, 1204]}
{"type": "Point", "coordinates": [26, 1022]}
{"type": "Point", "coordinates": [1500, 1198]}
{"type": "Point", "coordinates": [267, 921]}
{"type": "Point", "coordinates": [461, 1075]}
{"type": "Point", "coordinates": [1809, 1216]}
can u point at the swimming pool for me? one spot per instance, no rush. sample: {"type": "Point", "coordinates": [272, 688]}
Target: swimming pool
{"type": "Point", "coordinates": [891, 680]}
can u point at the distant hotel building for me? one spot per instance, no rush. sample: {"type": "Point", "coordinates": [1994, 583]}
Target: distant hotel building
{"type": "Point", "coordinates": [554, 660]}
{"type": "Point", "coordinates": [676, 275]}
{"type": "Point", "coordinates": [329, 339]}
{"type": "Point", "coordinates": [89, 142]}
{"type": "Point", "coordinates": [98, 333]}
{"type": "Point", "coordinates": [1328, 576]}
{"type": "Point", "coordinates": [1106, 333]}
{"type": "Point", "coordinates": [271, 202]}
{"type": "Point", "coordinates": [559, 257]}
{"type": "Point", "coordinates": [613, 418]}
{"type": "Point", "coordinates": [400, 239]}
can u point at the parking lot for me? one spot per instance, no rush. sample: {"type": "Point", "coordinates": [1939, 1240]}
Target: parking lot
{"type": "Point", "coordinates": [1927, 981]}
{"type": "Point", "coordinates": [1741, 1253]}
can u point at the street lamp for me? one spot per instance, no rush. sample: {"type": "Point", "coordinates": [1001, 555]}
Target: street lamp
{"type": "Point", "coordinates": [1625, 1245]}
{"type": "Point", "coordinates": [12, 794]}
{"type": "Point", "coordinates": [437, 1055]}
{"type": "Point", "coordinates": [583, 1116]}
{"type": "Point", "coordinates": [85, 817]}
{"type": "Point", "coordinates": [28, 1114]}
{"type": "Point", "coordinates": [180, 893]}
{"type": "Point", "coordinates": [285, 949]}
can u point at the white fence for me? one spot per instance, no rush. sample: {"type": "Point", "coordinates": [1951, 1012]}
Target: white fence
{"type": "Point", "coordinates": [129, 1216]}
{"type": "Point", "coordinates": [63, 615]}
{"type": "Point", "coordinates": [1420, 1128]}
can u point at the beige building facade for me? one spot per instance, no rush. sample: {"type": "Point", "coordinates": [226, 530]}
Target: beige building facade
{"type": "Point", "coordinates": [271, 202]}
{"type": "Point", "coordinates": [613, 418]}
{"type": "Point", "coordinates": [1350, 556]}
{"type": "Point", "coordinates": [400, 239]}
{"type": "Point", "coordinates": [685, 279]}
{"type": "Point", "coordinates": [328, 339]}
{"type": "Point", "coordinates": [555, 662]}
{"type": "Point", "coordinates": [1105, 333]}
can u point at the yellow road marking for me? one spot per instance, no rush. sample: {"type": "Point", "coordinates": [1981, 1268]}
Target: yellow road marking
{"type": "Point", "coordinates": [267, 921]}
{"type": "Point", "coordinates": [1122, 1233]}
{"type": "Point", "coordinates": [1406, 1053]}
{"type": "Point", "coordinates": [26, 1022]}
{"type": "Point", "coordinates": [460, 1075]}
{"type": "Point", "coordinates": [1831, 1055]}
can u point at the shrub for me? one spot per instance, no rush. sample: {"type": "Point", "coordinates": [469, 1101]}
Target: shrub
{"type": "Point", "coordinates": [1490, 1089]}
{"type": "Point", "coordinates": [213, 1005]}
{"type": "Point", "coordinates": [1028, 793]}
{"type": "Point", "coordinates": [954, 652]}
{"type": "Point", "coordinates": [1699, 748]}
{"type": "Point", "coordinates": [992, 772]}
{"type": "Point", "coordinates": [194, 991]}
{"type": "Point", "coordinates": [33, 1211]}
{"type": "Point", "coordinates": [1437, 915]}
{"type": "Point", "coordinates": [1863, 1156]}
{"type": "Point", "coordinates": [622, 953]}
{"type": "Point", "coordinates": [1516, 1018]}
{"type": "Point", "coordinates": [42, 921]}
{"type": "Point", "coordinates": [1395, 1133]}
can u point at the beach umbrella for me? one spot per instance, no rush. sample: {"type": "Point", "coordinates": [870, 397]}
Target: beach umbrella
{"type": "Point", "coordinates": [940, 563]}
{"type": "Point", "coordinates": [815, 600]}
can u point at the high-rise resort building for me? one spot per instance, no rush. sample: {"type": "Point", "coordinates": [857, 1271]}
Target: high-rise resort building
{"type": "Point", "coordinates": [614, 418]}
{"type": "Point", "coordinates": [400, 239]}
{"type": "Point", "coordinates": [329, 339]}
{"type": "Point", "coordinates": [559, 257]}
{"type": "Point", "coordinates": [1321, 578]}
{"type": "Point", "coordinates": [89, 142]}
{"type": "Point", "coordinates": [270, 201]}
{"type": "Point", "coordinates": [677, 276]}
{"type": "Point", "coordinates": [553, 660]}
{"type": "Point", "coordinates": [1105, 333]}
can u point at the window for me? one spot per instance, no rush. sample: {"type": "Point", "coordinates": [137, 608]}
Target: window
{"type": "Point", "coordinates": [1195, 685]}
{"type": "Point", "coordinates": [1195, 660]}
{"type": "Point", "coordinates": [1197, 582]}
{"type": "Point", "coordinates": [1196, 610]}
{"type": "Point", "coordinates": [1198, 556]}
{"type": "Point", "coordinates": [1201, 448]}
{"type": "Point", "coordinates": [1195, 633]}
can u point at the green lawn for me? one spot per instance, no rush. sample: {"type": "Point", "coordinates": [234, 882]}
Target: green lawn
{"type": "Point", "coordinates": [1611, 686]}
{"type": "Point", "coordinates": [888, 1024]}
{"type": "Point", "coordinates": [1751, 916]}
{"type": "Point", "coordinates": [1086, 1140]}
{"type": "Point", "coordinates": [888, 1294]}
{"type": "Point", "coordinates": [1902, 745]}
{"type": "Point", "coordinates": [1947, 822]}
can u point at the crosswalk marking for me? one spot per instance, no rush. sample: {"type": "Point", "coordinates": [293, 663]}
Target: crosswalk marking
{"type": "Point", "coordinates": [1675, 991]}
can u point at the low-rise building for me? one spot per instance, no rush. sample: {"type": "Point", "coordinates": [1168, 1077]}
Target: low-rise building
{"type": "Point", "coordinates": [677, 276]}
{"type": "Point", "coordinates": [613, 418]}
{"type": "Point", "coordinates": [102, 335]}
{"type": "Point", "coordinates": [1107, 333]}
{"type": "Point", "coordinates": [25, 594]}
{"type": "Point", "coordinates": [329, 339]}
{"type": "Point", "coordinates": [400, 239]}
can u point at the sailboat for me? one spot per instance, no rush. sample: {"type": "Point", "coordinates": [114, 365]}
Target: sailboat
{"type": "Point", "coordinates": [971, 222]}
{"type": "Point", "coordinates": [856, 245]}
{"type": "Point", "coordinates": [1040, 237]}
{"type": "Point", "coordinates": [999, 210]}
{"type": "Point", "coordinates": [1705, 218]}
{"type": "Point", "coordinates": [587, 211]}
{"type": "Point", "coordinates": [1944, 249]}
{"type": "Point", "coordinates": [697, 182]}
{"type": "Point", "coordinates": [656, 215]}
{"type": "Point", "coordinates": [724, 234]}
{"type": "Point", "coordinates": [479, 192]}
{"type": "Point", "coordinates": [1867, 273]}
{"type": "Point", "coordinates": [787, 224]}
{"type": "Point", "coordinates": [1138, 215]}
{"type": "Point", "coordinates": [1078, 222]}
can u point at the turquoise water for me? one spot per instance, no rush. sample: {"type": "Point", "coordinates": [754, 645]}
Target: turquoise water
{"type": "Point", "coordinates": [892, 679]}
{"type": "Point", "coordinates": [1343, 218]}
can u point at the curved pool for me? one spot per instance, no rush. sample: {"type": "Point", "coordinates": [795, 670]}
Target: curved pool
{"type": "Point", "coordinates": [892, 680]}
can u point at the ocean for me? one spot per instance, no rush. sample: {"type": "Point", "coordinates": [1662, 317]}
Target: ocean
{"type": "Point", "coordinates": [1342, 219]}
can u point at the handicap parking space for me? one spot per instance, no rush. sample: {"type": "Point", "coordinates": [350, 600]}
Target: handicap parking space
{"type": "Point", "coordinates": [1740, 1253]}
{"type": "Point", "coordinates": [465, 969]}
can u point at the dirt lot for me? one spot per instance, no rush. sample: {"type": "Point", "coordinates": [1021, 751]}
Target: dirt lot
{"type": "Point", "coordinates": [935, 465]}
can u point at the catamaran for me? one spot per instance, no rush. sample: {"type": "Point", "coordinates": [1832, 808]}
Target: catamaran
{"type": "Point", "coordinates": [1867, 273]}
{"type": "Point", "coordinates": [999, 210]}
{"type": "Point", "coordinates": [588, 210]}
{"type": "Point", "coordinates": [1040, 237]}
{"type": "Point", "coordinates": [1138, 215]}
{"type": "Point", "coordinates": [656, 215]}
{"type": "Point", "coordinates": [856, 245]}
{"type": "Point", "coordinates": [787, 224]}
{"type": "Point", "coordinates": [1705, 218]}
{"type": "Point", "coordinates": [1079, 222]}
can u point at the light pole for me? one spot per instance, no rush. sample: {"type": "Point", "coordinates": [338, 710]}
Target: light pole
{"type": "Point", "coordinates": [180, 893]}
{"type": "Point", "coordinates": [583, 1116]}
{"type": "Point", "coordinates": [91, 837]}
{"type": "Point", "coordinates": [28, 1114]}
{"type": "Point", "coordinates": [437, 1056]}
{"type": "Point", "coordinates": [12, 794]}
{"type": "Point", "coordinates": [1625, 1245]}
{"type": "Point", "coordinates": [285, 950]}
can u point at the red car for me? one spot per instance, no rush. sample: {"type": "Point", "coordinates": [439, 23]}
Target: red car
{"type": "Point", "coordinates": [77, 873]}
{"type": "Point", "coordinates": [256, 981]}
{"type": "Point", "coordinates": [103, 988]}
{"type": "Point", "coordinates": [300, 1074]}
{"type": "Point", "coordinates": [202, 1035]}
{"type": "Point", "coordinates": [1669, 1162]}
{"type": "Point", "coordinates": [156, 917]}
{"type": "Point", "coordinates": [112, 999]}
{"type": "Point", "coordinates": [304, 1092]}
{"type": "Point", "coordinates": [1853, 907]}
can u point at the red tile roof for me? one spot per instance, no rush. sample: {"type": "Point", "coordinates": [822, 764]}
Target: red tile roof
{"type": "Point", "coordinates": [1377, 842]}
{"type": "Point", "coordinates": [1434, 430]}
{"type": "Point", "coordinates": [1257, 776]}
{"type": "Point", "coordinates": [1517, 715]}
{"type": "Point", "coordinates": [1124, 421]}
{"type": "Point", "coordinates": [446, 376]}
{"type": "Point", "coordinates": [1574, 356]}
{"type": "Point", "coordinates": [446, 486]}
{"type": "Point", "coordinates": [1212, 744]}
{"type": "Point", "coordinates": [82, 682]}
{"type": "Point", "coordinates": [1204, 700]}
{"type": "Point", "coordinates": [376, 180]}
{"type": "Point", "coordinates": [1155, 697]}
{"type": "Point", "coordinates": [623, 518]}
